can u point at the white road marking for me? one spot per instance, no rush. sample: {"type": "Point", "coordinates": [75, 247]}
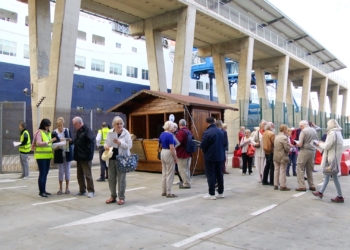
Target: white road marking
{"type": "Point", "coordinates": [48, 202]}
{"type": "Point", "coordinates": [264, 210]}
{"type": "Point", "coordinates": [176, 200]}
{"type": "Point", "coordinates": [7, 180]}
{"type": "Point", "coordinates": [320, 184]}
{"type": "Point", "coordinates": [132, 189]}
{"type": "Point", "coordinates": [196, 237]}
{"type": "Point", "coordinates": [297, 195]}
{"type": "Point", "coordinates": [13, 187]}
{"type": "Point", "coordinates": [112, 215]}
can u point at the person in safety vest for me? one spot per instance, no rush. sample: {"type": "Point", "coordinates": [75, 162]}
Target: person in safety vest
{"type": "Point", "coordinates": [24, 149]}
{"type": "Point", "coordinates": [100, 141]}
{"type": "Point", "coordinates": [42, 144]}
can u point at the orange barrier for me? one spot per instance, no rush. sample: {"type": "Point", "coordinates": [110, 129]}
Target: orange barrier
{"type": "Point", "coordinates": [318, 157]}
{"type": "Point", "coordinates": [345, 163]}
{"type": "Point", "coordinates": [235, 160]}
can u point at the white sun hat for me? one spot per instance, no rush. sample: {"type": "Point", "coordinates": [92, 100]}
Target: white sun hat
{"type": "Point", "coordinates": [107, 154]}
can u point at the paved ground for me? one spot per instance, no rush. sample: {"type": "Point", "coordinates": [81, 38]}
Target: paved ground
{"type": "Point", "coordinates": [147, 220]}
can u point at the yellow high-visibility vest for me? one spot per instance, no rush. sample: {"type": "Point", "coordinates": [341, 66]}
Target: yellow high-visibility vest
{"type": "Point", "coordinates": [103, 133]}
{"type": "Point", "coordinates": [44, 152]}
{"type": "Point", "coordinates": [25, 148]}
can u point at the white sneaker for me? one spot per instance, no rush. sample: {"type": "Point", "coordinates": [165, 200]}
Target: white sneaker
{"type": "Point", "coordinates": [209, 197]}
{"type": "Point", "coordinates": [25, 178]}
{"type": "Point", "coordinates": [220, 196]}
{"type": "Point", "coordinates": [91, 195]}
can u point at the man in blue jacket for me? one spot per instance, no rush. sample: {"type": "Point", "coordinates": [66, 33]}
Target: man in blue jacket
{"type": "Point", "coordinates": [214, 155]}
{"type": "Point", "coordinates": [84, 145]}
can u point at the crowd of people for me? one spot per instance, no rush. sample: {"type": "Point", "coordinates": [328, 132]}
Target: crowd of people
{"type": "Point", "coordinates": [274, 154]}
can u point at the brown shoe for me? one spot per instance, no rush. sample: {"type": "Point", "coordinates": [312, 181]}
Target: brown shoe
{"type": "Point", "coordinates": [300, 189]}
{"type": "Point", "coordinates": [225, 172]}
{"type": "Point", "coordinates": [318, 194]}
{"type": "Point", "coordinates": [312, 189]}
{"type": "Point", "coordinates": [284, 189]}
{"type": "Point", "coordinates": [275, 187]}
{"type": "Point", "coordinates": [338, 199]}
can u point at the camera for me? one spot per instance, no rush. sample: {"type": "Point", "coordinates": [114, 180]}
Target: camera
{"type": "Point", "coordinates": [25, 91]}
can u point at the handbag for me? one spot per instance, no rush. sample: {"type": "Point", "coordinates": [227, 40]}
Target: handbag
{"type": "Point", "coordinates": [127, 164]}
{"type": "Point", "coordinates": [251, 150]}
{"type": "Point", "coordinates": [258, 140]}
{"type": "Point", "coordinates": [159, 149]}
{"type": "Point", "coordinates": [331, 168]}
{"type": "Point", "coordinates": [239, 152]}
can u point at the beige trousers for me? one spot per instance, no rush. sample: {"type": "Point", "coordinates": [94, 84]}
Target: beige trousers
{"type": "Point", "coordinates": [305, 163]}
{"type": "Point", "coordinates": [168, 170]}
{"type": "Point", "coordinates": [184, 170]}
{"type": "Point", "coordinates": [280, 174]}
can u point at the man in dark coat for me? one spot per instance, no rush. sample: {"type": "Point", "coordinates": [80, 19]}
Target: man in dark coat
{"type": "Point", "coordinates": [214, 155]}
{"type": "Point", "coordinates": [84, 144]}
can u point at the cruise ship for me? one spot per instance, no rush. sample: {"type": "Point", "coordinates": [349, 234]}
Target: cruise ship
{"type": "Point", "coordinates": [110, 65]}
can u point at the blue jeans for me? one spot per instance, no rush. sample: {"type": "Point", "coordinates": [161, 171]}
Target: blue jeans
{"type": "Point", "coordinates": [213, 171]}
{"type": "Point", "coordinates": [44, 167]}
{"type": "Point", "coordinates": [336, 183]}
{"type": "Point", "coordinates": [293, 162]}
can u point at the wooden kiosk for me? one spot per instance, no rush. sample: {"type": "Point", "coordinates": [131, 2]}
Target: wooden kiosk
{"type": "Point", "coordinates": [147, 111]}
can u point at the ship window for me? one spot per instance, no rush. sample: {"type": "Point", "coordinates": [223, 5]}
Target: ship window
{"type": "Point", "coordinates": [133, 92]}
{"type": "Point", "coordinates": [199, 85]}
{"type": "Point", "coordinates": [26, 51]}
{"type": "Point", "coordinates": [118, 45]}
{"type": "Point", "coordinates": [9, 75]}
{"type": "Point", "coordinates": [8, 47]}
{"type": "Point", "coordinates": [80, 61]}
{"type": "Point", "coordinates": [145, 74]}
{"type": "Point", "coordinates": [207, 86]}
{"type": "Point", "coordinates": [115, 68]}
{"type": "Point", "coordinates": [100, 40]}
{"type": "Point", "coordinates": [8, 16]}
{"type": "Point", "coordinates": [118, 90]}
{"type": "Point", "coordinates": [80, 108]}
{"type": "Point", "coordinates": [133, 49]}
{"type": "Point", "coordinates": [81, 35]}
{"type": "Point", "coordinates": [80, 85]}
{"type": "Point", "coordinates": [99, 87]}
{"type": "Point", "coordinates": [131, 72]}
{"type": "Point", "coordinates": [97, 65]}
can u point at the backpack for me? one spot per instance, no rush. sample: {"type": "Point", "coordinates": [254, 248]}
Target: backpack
{"type": "Point", "coordinates": [190, 146]}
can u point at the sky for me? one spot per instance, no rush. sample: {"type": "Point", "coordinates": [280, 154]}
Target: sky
{"type": "Point", "coordinates": [327, 22]}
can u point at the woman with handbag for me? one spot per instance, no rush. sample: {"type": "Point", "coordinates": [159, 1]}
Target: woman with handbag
{"type": "Point", "coordinates": [292, 154]}
{"type": "Point", "coordinates": [247, 158]}
{"type": "Point", "coordinates": [281, 158]}
{"type": "Point", "coordinates": [121, 143]}
{"type": "Point", "coordinates": [63, 157]}
{"type": "Point", "coordinates": [260, 159]}
{"type": "Point", "coordinates": [333, 149]}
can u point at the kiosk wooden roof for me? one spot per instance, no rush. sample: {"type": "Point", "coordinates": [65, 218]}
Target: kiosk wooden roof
{"type": "Point", "coordinates": [147, 111]}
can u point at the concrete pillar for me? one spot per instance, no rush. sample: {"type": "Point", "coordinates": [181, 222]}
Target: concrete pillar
{"type": "Point", "coordinates": [305, 95]}
{"type": "Point", "coordinates": [52, 62]}
{"type": "Point", "coordinates": [221, 78]}
{"type": "Point", "coordinates": [344, 93]}
{"type": "Point", "coordinates": [262, 93]}
{"type": "Point", "coordinates": [290, 105]}
{"type": "Point", "coordinates": [335, 97]}
{"type": "Point", "coordinates": [39, 44]}
{"type": "Point", "coordinates": [155, 58]}
{"type": "Point", "coordinates": [183, 51]}
{"type": "Point", "coordinates": [244, 79]}
{"type": "Point", "coordinates": [323, 94]}
{"type": "Point", "coordinates": [281, 91]}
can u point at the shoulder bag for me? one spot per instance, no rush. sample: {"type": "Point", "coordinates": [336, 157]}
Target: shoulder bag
{"type": "Point", "coordinates": [251, 150]}
{"type": "Point", "coordinates": [127, 164]}
{"type": "Point", "coordinates": [331, 168]}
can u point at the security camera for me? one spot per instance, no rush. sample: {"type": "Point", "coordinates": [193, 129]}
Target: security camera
{"type": "Point", "coordinates": [25, 91]}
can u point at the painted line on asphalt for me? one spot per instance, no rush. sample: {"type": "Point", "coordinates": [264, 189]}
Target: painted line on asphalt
{"type": "Point", "coordinates": [132, 189]}
{"type": "Point", "coordinates": [13, 187]}
{"type": "Point", "coordinates": [320, 184]}
{"type": "Point", "coordinates": [299, 194]}
{"type": "Point", "coordinates": [48, 202]}
{"type": "Point", "coordinates": [6, 180]}
{"type": "Point", "coordinates": [264, 209]}
{"type": "Point", "coordinates": [196, 237]}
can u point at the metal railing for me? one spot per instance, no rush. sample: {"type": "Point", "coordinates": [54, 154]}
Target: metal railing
{"type": "Point", "coordinates": [238, 18]}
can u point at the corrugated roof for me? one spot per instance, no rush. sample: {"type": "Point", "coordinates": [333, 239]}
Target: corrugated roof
{"type": "Point", "coordinates": [181, 99]}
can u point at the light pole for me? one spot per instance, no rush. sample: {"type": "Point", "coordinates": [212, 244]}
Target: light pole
{"type": "Point", "coordinates": [38, 109]}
